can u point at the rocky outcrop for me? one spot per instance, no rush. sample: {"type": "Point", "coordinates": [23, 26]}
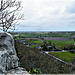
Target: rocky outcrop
{"type": "Point", "coordinates": [8, 57]}
{"type": "Point", "coordinates": [19, 70]}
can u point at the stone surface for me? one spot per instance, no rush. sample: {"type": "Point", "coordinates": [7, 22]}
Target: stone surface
{"type": "Point", "coordinates": [19, 70]}
{"type": "Point", "coordinates": [8, 57]}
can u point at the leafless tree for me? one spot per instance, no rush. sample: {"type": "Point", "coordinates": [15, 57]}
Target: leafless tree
{"type": "Point", "coordinates": [9, 14]}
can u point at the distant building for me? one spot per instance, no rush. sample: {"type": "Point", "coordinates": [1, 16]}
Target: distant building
{"type": "Point", "coordinates": [27, 46]}
{"type": "Point", "coordinates": [38, 47]}
{"type": "Point", "coordinates": [49, 47]}
{"type": "Point", "coordinates": [23, 42]}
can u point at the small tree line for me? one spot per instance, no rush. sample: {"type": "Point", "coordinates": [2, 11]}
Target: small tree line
{"type": "Point", "coordinates": [50, 44]}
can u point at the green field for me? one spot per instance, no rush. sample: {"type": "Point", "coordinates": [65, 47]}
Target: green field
{"type": "Point", "coordinates": [31, 58]}
{"type": "Point", "coordinates": [45, 34]}
{"type": "Point", "coordinates": [34, 46]}
{"type": "Point", "coordinates": [63, 44]}
{"type": "Point", "coordinates": [58, 43]}
{"type": "Point", "coordinates": [36, 41]}
{"type": "Point", "coordinates": [65, 56]}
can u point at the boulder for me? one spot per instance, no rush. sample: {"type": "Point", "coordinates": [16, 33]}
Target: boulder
{"type": "Point", "coordinates": [8, 56]}
{"type": "Point", "coordinates": [19, 70]}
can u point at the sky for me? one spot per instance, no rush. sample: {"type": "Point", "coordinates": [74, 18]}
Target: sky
{"type": "Point", "coordinates": [47, 15]}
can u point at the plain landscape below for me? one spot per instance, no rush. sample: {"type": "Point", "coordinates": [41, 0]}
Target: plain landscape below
{"type": "Point", "coordinates": [31, 48]}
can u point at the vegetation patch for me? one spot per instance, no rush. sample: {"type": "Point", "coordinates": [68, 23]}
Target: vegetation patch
{"type": "Point", "coordinates": [65, 56]}
{"type": "Point", "coordinates": [32, 60]}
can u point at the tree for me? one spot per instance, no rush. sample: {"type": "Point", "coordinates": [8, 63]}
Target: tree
{"type": "Point", "coordinates": [73, 40]}
{"type": "Point", "coordinates": [70, 46]}
{"type": "Point", "coordinates": [45, 46]}
{"type": "Point", "coordinates": [49, 43]}
{"type": "Point", "coordinates": [9, 14]}
{"type": "Point", "coordinates": [54, 46]}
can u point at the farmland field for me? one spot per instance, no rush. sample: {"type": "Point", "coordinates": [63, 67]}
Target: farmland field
{"type": "Point", "coordinates": [65, 56]}
{"type": "Point", "coordinates": [45, 34]}
{"type": "Point", "coordinates": [61, 39]}
{"type": "Point", "coordinates": [57, 38]}
{"type": "Point", "coordinates": [33, 44]}
{"type": "Point", "coordinates": [58, 43]}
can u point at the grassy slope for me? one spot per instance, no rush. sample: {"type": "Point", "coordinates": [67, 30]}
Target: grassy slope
{"type": "Point", "coordinates": [66, 56]}
{"type": "Point", "coordinates": [30, 58]}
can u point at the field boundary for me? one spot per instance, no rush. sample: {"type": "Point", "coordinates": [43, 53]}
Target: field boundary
{"type": "Point", "coordinates": [55, 58]}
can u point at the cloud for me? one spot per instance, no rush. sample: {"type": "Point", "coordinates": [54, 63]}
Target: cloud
{"type": "Point", "coordinates": [47, 15]}
{"type": "Point", "coordinates": [71, 8]}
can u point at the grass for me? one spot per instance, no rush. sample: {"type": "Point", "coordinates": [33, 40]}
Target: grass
{"type": "Point", "coordinates": [65, 56]}
{"type": "Point", "coordinates": [36, 41]}
{"type": "Point", "coordinates": [58, 43]}
{"type": "Point", "coordinates": [31, 58]}
{"type": "Point", "coordinates": [63, 44]}
{"type": "Point", "coordinates": [34, 46]}
{"type": "Point", "coordinates": [45, 34]}
{"type": "Point", "coordinates": [42, 41]}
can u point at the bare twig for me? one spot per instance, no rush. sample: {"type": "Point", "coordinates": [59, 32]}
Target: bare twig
{"type": "Point", "coordinates": [9, 16]}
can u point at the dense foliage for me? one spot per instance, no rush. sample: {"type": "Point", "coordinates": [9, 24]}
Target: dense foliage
{"type": "Point", "coordinates": [30, 58]}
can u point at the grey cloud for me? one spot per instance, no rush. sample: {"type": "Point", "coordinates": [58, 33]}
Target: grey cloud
{"type": "Point", "coordinates": [40, 17]}
{"type": "Point", "coordinates": [71, 8]}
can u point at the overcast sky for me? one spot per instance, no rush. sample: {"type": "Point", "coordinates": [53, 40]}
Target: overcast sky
{"type": "Point", "coordinates": [48, 15]}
